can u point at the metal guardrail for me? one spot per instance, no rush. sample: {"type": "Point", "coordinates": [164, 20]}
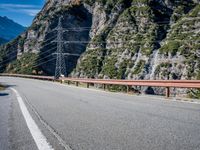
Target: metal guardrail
{"type": "Point", "coordinates": [49, 78]}
{"type": "Point", "coordinates": [150, 83]}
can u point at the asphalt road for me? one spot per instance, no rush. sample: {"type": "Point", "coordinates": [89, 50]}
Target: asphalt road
{"type": "Point", "coordinates": [85, 119]}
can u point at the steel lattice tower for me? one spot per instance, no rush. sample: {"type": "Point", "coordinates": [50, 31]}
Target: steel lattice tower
{"type": "Point", "coordinates": [60, 56]}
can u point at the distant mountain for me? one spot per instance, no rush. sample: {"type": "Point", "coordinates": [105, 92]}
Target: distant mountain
{"type": "Point", "coordinates": [2, 41]}
{"type": "Point", "coordinates": [9, 29]}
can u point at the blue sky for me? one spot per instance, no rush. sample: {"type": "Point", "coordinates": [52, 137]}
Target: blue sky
{"type": "Point", "coordinates": [21, 11]}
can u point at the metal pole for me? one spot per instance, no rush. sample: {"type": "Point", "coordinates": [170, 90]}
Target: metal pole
{"type": "Point", "coordinates": [88, 85]}
{"type": "Point", "coordinates": [167, 92]}
{"type": "Point", "coordinates": [104, 87]}
{"type": "Point", "coordinates": [127, 88]}
{"type": "Point", "coordinates": [60, 59]}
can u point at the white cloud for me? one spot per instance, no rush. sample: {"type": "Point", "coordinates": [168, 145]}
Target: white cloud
{"type": "Point", "coordinates": [30, 10]}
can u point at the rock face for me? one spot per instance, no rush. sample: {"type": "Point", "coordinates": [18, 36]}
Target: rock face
{"type": "Point", "coordinates": [128, 39]}
{"type": "Point", "coordinates": [147, 40]}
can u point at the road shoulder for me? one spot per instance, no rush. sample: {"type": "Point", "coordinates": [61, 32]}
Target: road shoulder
{"type": "Point", "coordinates": [19, 134]}
{"type": "Point", "coordinates": [5, 104]}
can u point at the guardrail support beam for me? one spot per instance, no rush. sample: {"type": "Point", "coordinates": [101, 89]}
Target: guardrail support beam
{"type": "Point", "coordinates": [62, 81]}
{"type": "Point", "coordinates": [104, 87]}
{"type": "Point", "coordinates": [167, 92]}
{"type": "Point", "coordinates": [88, 85]}
{"type": "Point", "coordinates": [127, 88]}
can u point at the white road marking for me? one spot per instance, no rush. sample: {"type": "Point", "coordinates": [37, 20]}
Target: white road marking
{"type": "Point", "coordinates": [37, 135]}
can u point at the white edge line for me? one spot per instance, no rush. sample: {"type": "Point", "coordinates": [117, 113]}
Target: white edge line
{"type": "Point", "coordinates": [37, 135]}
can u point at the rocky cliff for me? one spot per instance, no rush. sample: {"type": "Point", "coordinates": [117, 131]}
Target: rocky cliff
{"type": "Point", "coordinates": [127, 39]}
{"type": "Point", "coordinates": [144, 40]}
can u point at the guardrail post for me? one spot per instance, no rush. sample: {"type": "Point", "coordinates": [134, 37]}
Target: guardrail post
{"type": "Point", "coordinates": [88, 85]}
{"type": "Point", "coordinates": [127, 89]}
{"type": "Point", "coordinates": [104, 87]}
{"type": "Point", "coordinates": [62, 81]}
{"type": "Point", "coordinates": [68, 82]}
{"type": "Point", "coordinates": [167, 92]}
{"type": "Point", "coordinates": [76, 83]}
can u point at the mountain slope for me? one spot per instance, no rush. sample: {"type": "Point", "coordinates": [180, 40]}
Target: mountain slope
{"type": "Point", "coordinates": [129, 39]}
{"type": "Point", "coordinates": [138, 33]}
{"type": "Point", "coordinates": [9, 29]}
{"type": "Point", "coordinates": [2, 41]}
{"type": "Point", "coordinates": [181, 48]}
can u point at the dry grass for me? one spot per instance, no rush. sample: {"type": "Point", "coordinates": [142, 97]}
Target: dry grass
{"type": "Point", "coordinates": [2, 87]}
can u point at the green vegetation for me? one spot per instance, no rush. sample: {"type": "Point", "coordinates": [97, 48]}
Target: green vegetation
{"type": "Point", "coordinates": [36, 27]}
{"type": "Point", "coordinates": [24, 65]}
{"type": "Point", "coordinates": [92, 63]}
{"type": "Point", "coordinates": [132, 28]}
{"type": "Point", "coordinates": [183, 7]}
{"type": "Point", "coordinates": [2, 87]}
{"type": "Point", "coordinates": [195, 93]}
{"type": "Point", "coordinates": [195, 12]}
{"type": "Point", "coordinates": [163, 70]}
{"type": "Point", "coordinates": [108, 4]}
{"type": "Point", "coordinates": [181, 38]}
{"type": "Point", "coordinates": [122, 69]}
{"type": "Point", "coordinates": [171, 46]}
{"type": "Point", "coordinates": [21, 41]}
{"type": "Point", "coordinates": [110, 69]}
{"type": "Point", "coordinates": [117, 88]}
{"type": "Point", "coordinates": [134, 35]}
{"type": "Point", "coordinates": [8, 53]}
{"type": "Point", "coordinates": [139, 67]}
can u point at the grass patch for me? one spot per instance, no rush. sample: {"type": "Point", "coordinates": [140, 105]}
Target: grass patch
{"type": "Point", "coordinates": [27, 64]}
{"type": "Point", "coordinates": [2, 87]}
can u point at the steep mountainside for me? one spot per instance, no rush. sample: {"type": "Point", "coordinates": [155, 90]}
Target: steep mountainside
{"type": "Point", "coordinates": [142, 43]}
{"type": "Point", "coordinates": [2, 41]}
{"type": "Point", "coordinates": [128, 39]}
{"type": "Point", "coordinates": [9, 29]}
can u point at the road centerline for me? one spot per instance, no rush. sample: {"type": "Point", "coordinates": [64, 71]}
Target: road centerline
{"type": "Point", "coordinates": [37, 135]}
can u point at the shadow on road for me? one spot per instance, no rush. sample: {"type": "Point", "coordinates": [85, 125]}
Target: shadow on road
{"type": "Point", "coordinates": [8, 86]}
{"type": "Point", "coordinates": [3, 87]}
{"type": "Point", "coordinates": [4, 94]}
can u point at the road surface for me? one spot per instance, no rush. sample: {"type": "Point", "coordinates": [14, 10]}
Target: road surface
{"type": "Point", "coordinates": [66, 117]}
